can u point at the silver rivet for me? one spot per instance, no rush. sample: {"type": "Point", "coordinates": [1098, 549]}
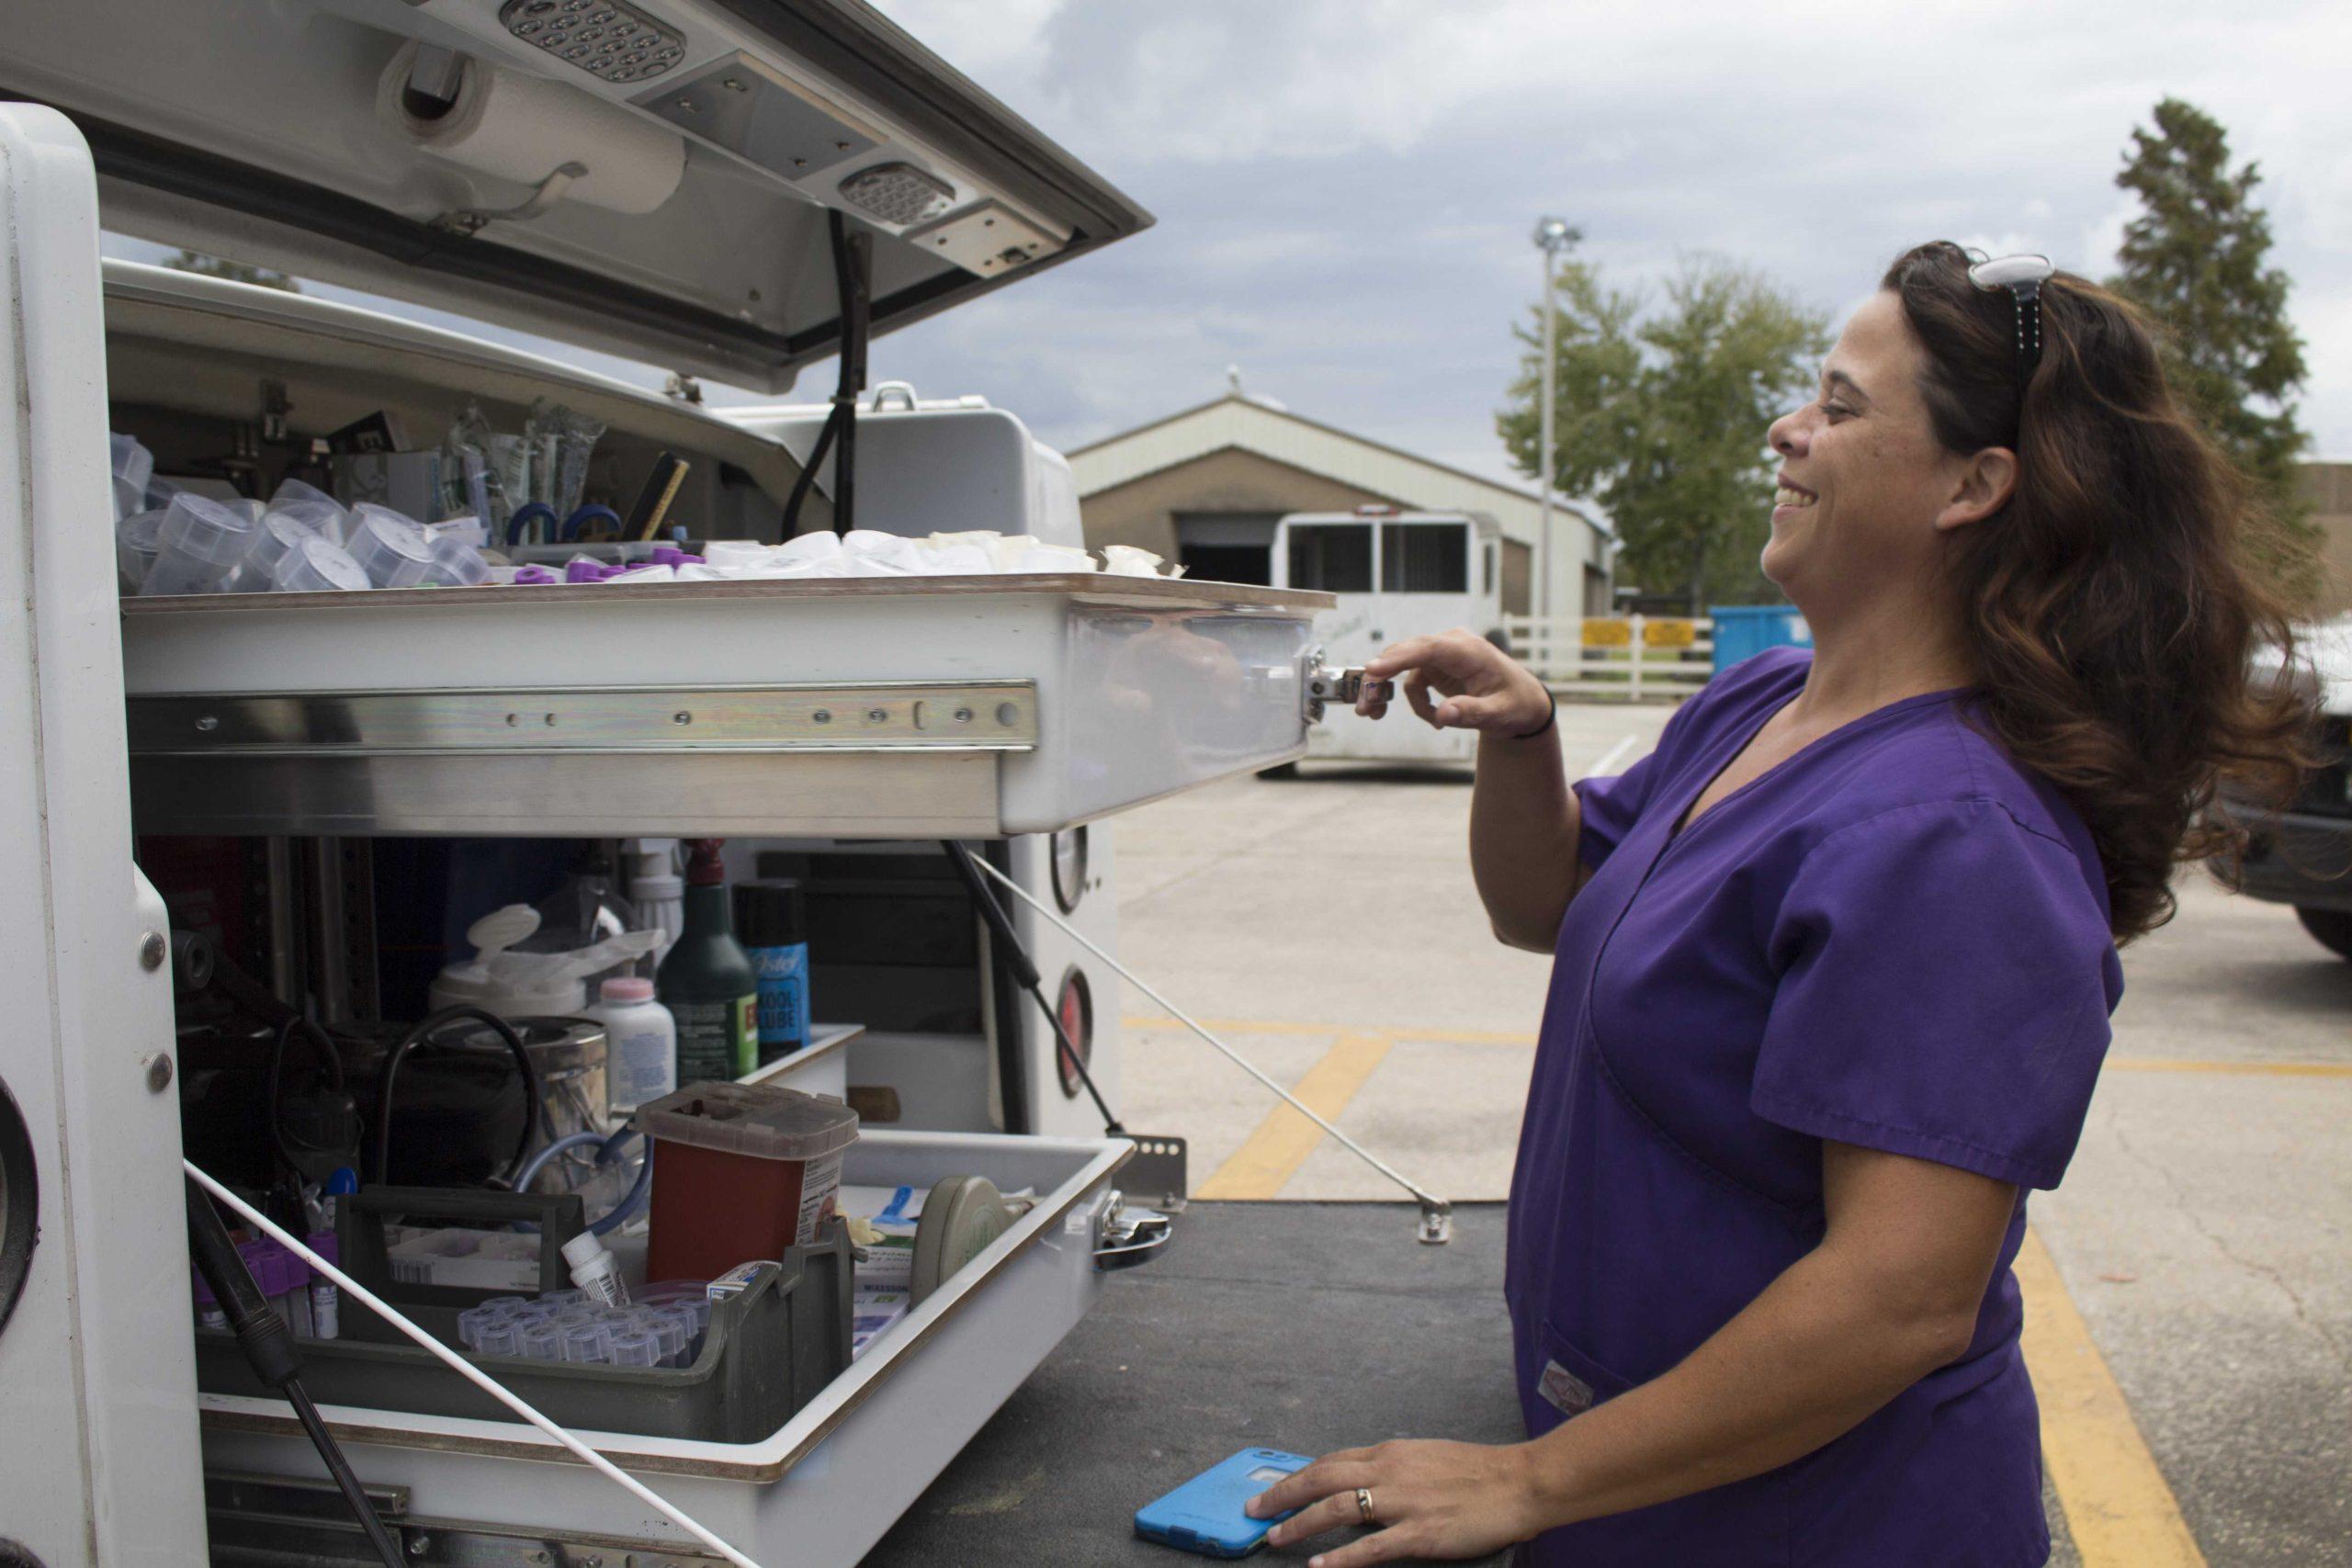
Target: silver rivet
{"type": "Point", "coordinates": [823, 716]}
{"type": "Point", "coordinates": [418, 1545]}
{"type": "Point", "coordinates": [550, 720]}
{"type": "Point", "coordinates": [153, 950]}
{"type": "Point", "coordinates": [207, 724]}
{"type": "Point", "coordinates": [159, 1073]}
{"type": "Point", "coordinates": [963, 716]}
{"type": "Point", "coordinates": [734, 84]}
{"type": "Point", "coordinates": [686, 106]}
{"type": "Point", "coordinates": [682, 719]}
{"type": "Point", "coordinates": [513, 720]}
{"type": "Point", "coordinates": [875, 716]}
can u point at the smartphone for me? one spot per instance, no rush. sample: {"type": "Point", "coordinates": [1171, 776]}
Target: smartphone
{"type": "Point", "coordinates": [1204, 1514]}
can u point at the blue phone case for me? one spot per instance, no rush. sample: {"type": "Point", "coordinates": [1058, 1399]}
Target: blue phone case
{"type": "Point", "coordinates": [1204, 1514]}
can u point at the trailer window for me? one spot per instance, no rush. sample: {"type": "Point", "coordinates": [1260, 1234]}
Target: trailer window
{"type": "Point", "coordinates": [1333, 556]}
{"type": "Point", "coordinates": [1425, 558]}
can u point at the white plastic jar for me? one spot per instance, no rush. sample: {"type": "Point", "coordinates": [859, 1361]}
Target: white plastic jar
{"type": "Point", "coordinates": [641, 1045]}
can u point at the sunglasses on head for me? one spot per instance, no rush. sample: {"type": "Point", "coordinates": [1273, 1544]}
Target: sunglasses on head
{"type": "Point", "coordinates": [2023, 277]}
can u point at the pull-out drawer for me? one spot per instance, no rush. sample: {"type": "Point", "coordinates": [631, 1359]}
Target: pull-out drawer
{"type": "Point", "coordinates": [819, 1491]}
{"type": "Point", "coordinates": [898, 707]}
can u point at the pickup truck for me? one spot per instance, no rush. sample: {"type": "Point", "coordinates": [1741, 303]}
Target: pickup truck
{"type": "Point", "coordinates": [2303, 856]}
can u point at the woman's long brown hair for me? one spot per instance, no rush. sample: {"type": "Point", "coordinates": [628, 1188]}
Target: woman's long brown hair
{"type": "Point", "coordinates": [2113, 605]}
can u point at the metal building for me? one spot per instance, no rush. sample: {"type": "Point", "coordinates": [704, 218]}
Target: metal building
{"type": "Point", "coordinates": [1205, 487]}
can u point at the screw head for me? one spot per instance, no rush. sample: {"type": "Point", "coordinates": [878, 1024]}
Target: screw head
{"type": "Point", "coordinates": [682, 719]}
{"type": "Point", "coordinates": [823, 716]}
{"type": "Point", "coordinates": [153, 948]}
{"type": "Point", "coordinates": [418, 1545]}
{"type": "Point", "coordinates": [687, 106]}
{"type": "Point", "coordinates": [875, 716]}
{"type": "Point", "coordinates": [206, 725]}
{"type": "Point", "coordinates": [159, 1073]}
{"type": "Point", "coordinates": [963, 716]}
{"type": "Point", "coordinates": [734, 84]}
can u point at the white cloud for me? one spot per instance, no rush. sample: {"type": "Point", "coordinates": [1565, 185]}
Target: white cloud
{"type": "Point", "coordinates": [1345, 186]}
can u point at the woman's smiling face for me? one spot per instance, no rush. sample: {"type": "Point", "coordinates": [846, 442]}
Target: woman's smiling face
{"type": "Point", "coordinates": [1863, 478]}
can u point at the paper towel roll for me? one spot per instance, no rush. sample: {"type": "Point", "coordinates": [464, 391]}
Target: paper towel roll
{"type": "Point", "coordinates": [522, 127]}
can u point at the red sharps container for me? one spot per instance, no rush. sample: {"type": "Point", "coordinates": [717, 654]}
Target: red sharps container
{"type": "Point", "coordinates": [740, 1172]}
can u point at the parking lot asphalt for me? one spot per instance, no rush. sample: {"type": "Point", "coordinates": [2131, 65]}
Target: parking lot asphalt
{"type": "Point", "coordinates": [2189, 1288]}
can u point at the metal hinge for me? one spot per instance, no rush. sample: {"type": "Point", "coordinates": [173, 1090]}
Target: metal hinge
{"type": "Point", "coordinates": [1339, 683]}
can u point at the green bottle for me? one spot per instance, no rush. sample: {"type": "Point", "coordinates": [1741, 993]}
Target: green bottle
{"type": "Point", "coordinates": [708, 982]}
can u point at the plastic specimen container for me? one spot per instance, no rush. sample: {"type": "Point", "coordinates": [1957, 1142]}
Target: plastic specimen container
{"type": "Point", "coordinates": [134, 546]}
{"type": "Point", "coordinates": [743, 1171]}
{"type": "Point", "coordinates": [456, 564]}
{"type": "Point", "coordinates": [318, 565]}
{"type": "Point", "coordinates": [390, 548]}
{"type": "Point", "coordinates": [589, 1341]}
{"type": "Point", "coordinates": [280, 532]}
{"type": "Point", "coordinates": [635, 1348]}
{"type": "Point", "coordinates": [197, 545]}
{"type": "Point", "coordinates": [498, 1339]}
{"type": "Point", "coordinates": [540, 1341]}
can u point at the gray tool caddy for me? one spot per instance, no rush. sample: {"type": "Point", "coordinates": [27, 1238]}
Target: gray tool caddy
{"type": "Point", "coordinates": [769, 1349]}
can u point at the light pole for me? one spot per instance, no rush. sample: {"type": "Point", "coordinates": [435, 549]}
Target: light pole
{"type": "Point", "coordinates": [1552, 235]}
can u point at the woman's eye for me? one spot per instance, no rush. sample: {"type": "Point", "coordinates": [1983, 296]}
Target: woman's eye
{"type": "Point", "coordinates": [1835, 410]}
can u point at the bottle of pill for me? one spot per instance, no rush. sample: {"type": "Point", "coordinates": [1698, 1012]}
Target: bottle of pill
{"type": "Point", "coordinates": [641, 1045]}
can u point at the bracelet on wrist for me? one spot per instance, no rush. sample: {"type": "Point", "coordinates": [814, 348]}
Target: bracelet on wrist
{"type": "Point", "coordinates": [1549, 720]}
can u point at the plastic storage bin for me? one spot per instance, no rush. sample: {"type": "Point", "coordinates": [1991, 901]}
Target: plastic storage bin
{"type": "Point", "coordinates": [1743, 631]}
{"type": "Point", "coordinates": [740, 1171]}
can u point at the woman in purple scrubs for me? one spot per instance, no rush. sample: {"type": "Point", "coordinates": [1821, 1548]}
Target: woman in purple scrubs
{"type": "Point", "coordinates": [1833, 965]}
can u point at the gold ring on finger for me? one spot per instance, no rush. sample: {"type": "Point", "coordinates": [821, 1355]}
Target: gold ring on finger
{"type": "Point", "coordinates": [1363, 1506]}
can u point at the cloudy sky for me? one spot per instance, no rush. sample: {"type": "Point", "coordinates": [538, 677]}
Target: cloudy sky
{"type": "Point", "coordinates": [1345, 188]}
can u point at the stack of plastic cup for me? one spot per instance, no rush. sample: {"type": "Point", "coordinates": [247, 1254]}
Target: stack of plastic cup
{"type": "Point", "coordinates": [312, 505]}
{"type": "Point", "coordinates": [134, 547]}
{"type": "Point", "coordinates": [197, 545]}
{"type": "Point", "coordinates": [390, 548]}
{"type": "Point", "coordinates": [316, 566]}
{"type": "Point", "coordinates": [456, 564]}
{"type": "Point", "coordinates": [133, 466]}
{"type": "Point", "coordinates": [279, 533]}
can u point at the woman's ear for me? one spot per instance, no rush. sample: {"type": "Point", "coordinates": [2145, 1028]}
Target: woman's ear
{"type": "Point", "coordinates": [1985, 482]}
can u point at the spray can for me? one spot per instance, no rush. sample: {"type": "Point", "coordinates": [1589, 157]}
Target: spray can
{"type": "Point", "coordinates": [706, 981]}
{"type": "Point", "coordinates": [771, 921]}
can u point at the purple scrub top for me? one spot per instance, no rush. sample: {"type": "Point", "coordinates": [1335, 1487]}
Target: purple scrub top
{"type": "Point", "coordinates": [1896, 938]}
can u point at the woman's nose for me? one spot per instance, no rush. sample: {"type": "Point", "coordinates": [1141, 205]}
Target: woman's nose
{"type": "Point", "coordinates": [1787, 435]}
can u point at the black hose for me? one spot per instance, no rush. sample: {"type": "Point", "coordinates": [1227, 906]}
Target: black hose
{"type": "Point", "coordinates": [1024, 973]}
{"type": "Point", "coordinates": [800, 487]}
{"type": "Point", "coordinates": [425, 1031]}
{"type": "Point", "coordinates": [325, 1048]}
{"type": "Point", "coordinates": [371, 1524]}
{"type": "Point", "coordinates": [268, 1348]}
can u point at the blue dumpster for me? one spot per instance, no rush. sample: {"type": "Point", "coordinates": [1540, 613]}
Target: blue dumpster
{"type": "Point", "coordinates": [1743, 631]}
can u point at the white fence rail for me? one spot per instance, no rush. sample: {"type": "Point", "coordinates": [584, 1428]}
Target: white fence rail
{"type": "Point", "coordinates": [1632, 657]}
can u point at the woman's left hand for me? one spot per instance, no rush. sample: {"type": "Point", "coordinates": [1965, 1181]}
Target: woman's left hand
{"type": "Point", "coordinates": [1429, 1499]}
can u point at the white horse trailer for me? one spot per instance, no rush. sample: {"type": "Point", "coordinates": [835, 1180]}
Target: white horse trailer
{"type": "Point", "coordinates": [1394, 574]}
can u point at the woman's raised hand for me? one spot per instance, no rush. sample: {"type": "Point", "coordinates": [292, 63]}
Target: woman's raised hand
{"type": "Point", "coordinates": [1475, 684]}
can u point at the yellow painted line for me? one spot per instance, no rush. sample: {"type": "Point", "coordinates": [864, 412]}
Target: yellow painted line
{"type": "Point", "coordinates": [1263, 1165]}
{"type": "Point", "coordinates": [2118, 1507]}
{"type": "Point", "coordinates": [2256, 1069]}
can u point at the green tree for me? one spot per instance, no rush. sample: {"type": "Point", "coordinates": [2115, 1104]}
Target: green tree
{"type": "Point", "coordinates": [234, 271]}
{"type": "Point", "coordinates": [1659, 417]}
{"type": "Point", "coordinates": [2196, 259]}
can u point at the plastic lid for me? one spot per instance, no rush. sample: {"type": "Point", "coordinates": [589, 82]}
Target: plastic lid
{"type": "Point", "coordinates": [584, 1249]}
{"type": "Point", "coordinates": [763, 1121]}
{"type": "Point", "coordinates": [318, 565]}
{"type": "Point", "coordinates": [281, 530]}
{"type": "Point", "coordinates": [629, 988]}
{"type": "Point", "coordinates": [390, 548]}
{"type": "Point", "coordinates": [704, 868]}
